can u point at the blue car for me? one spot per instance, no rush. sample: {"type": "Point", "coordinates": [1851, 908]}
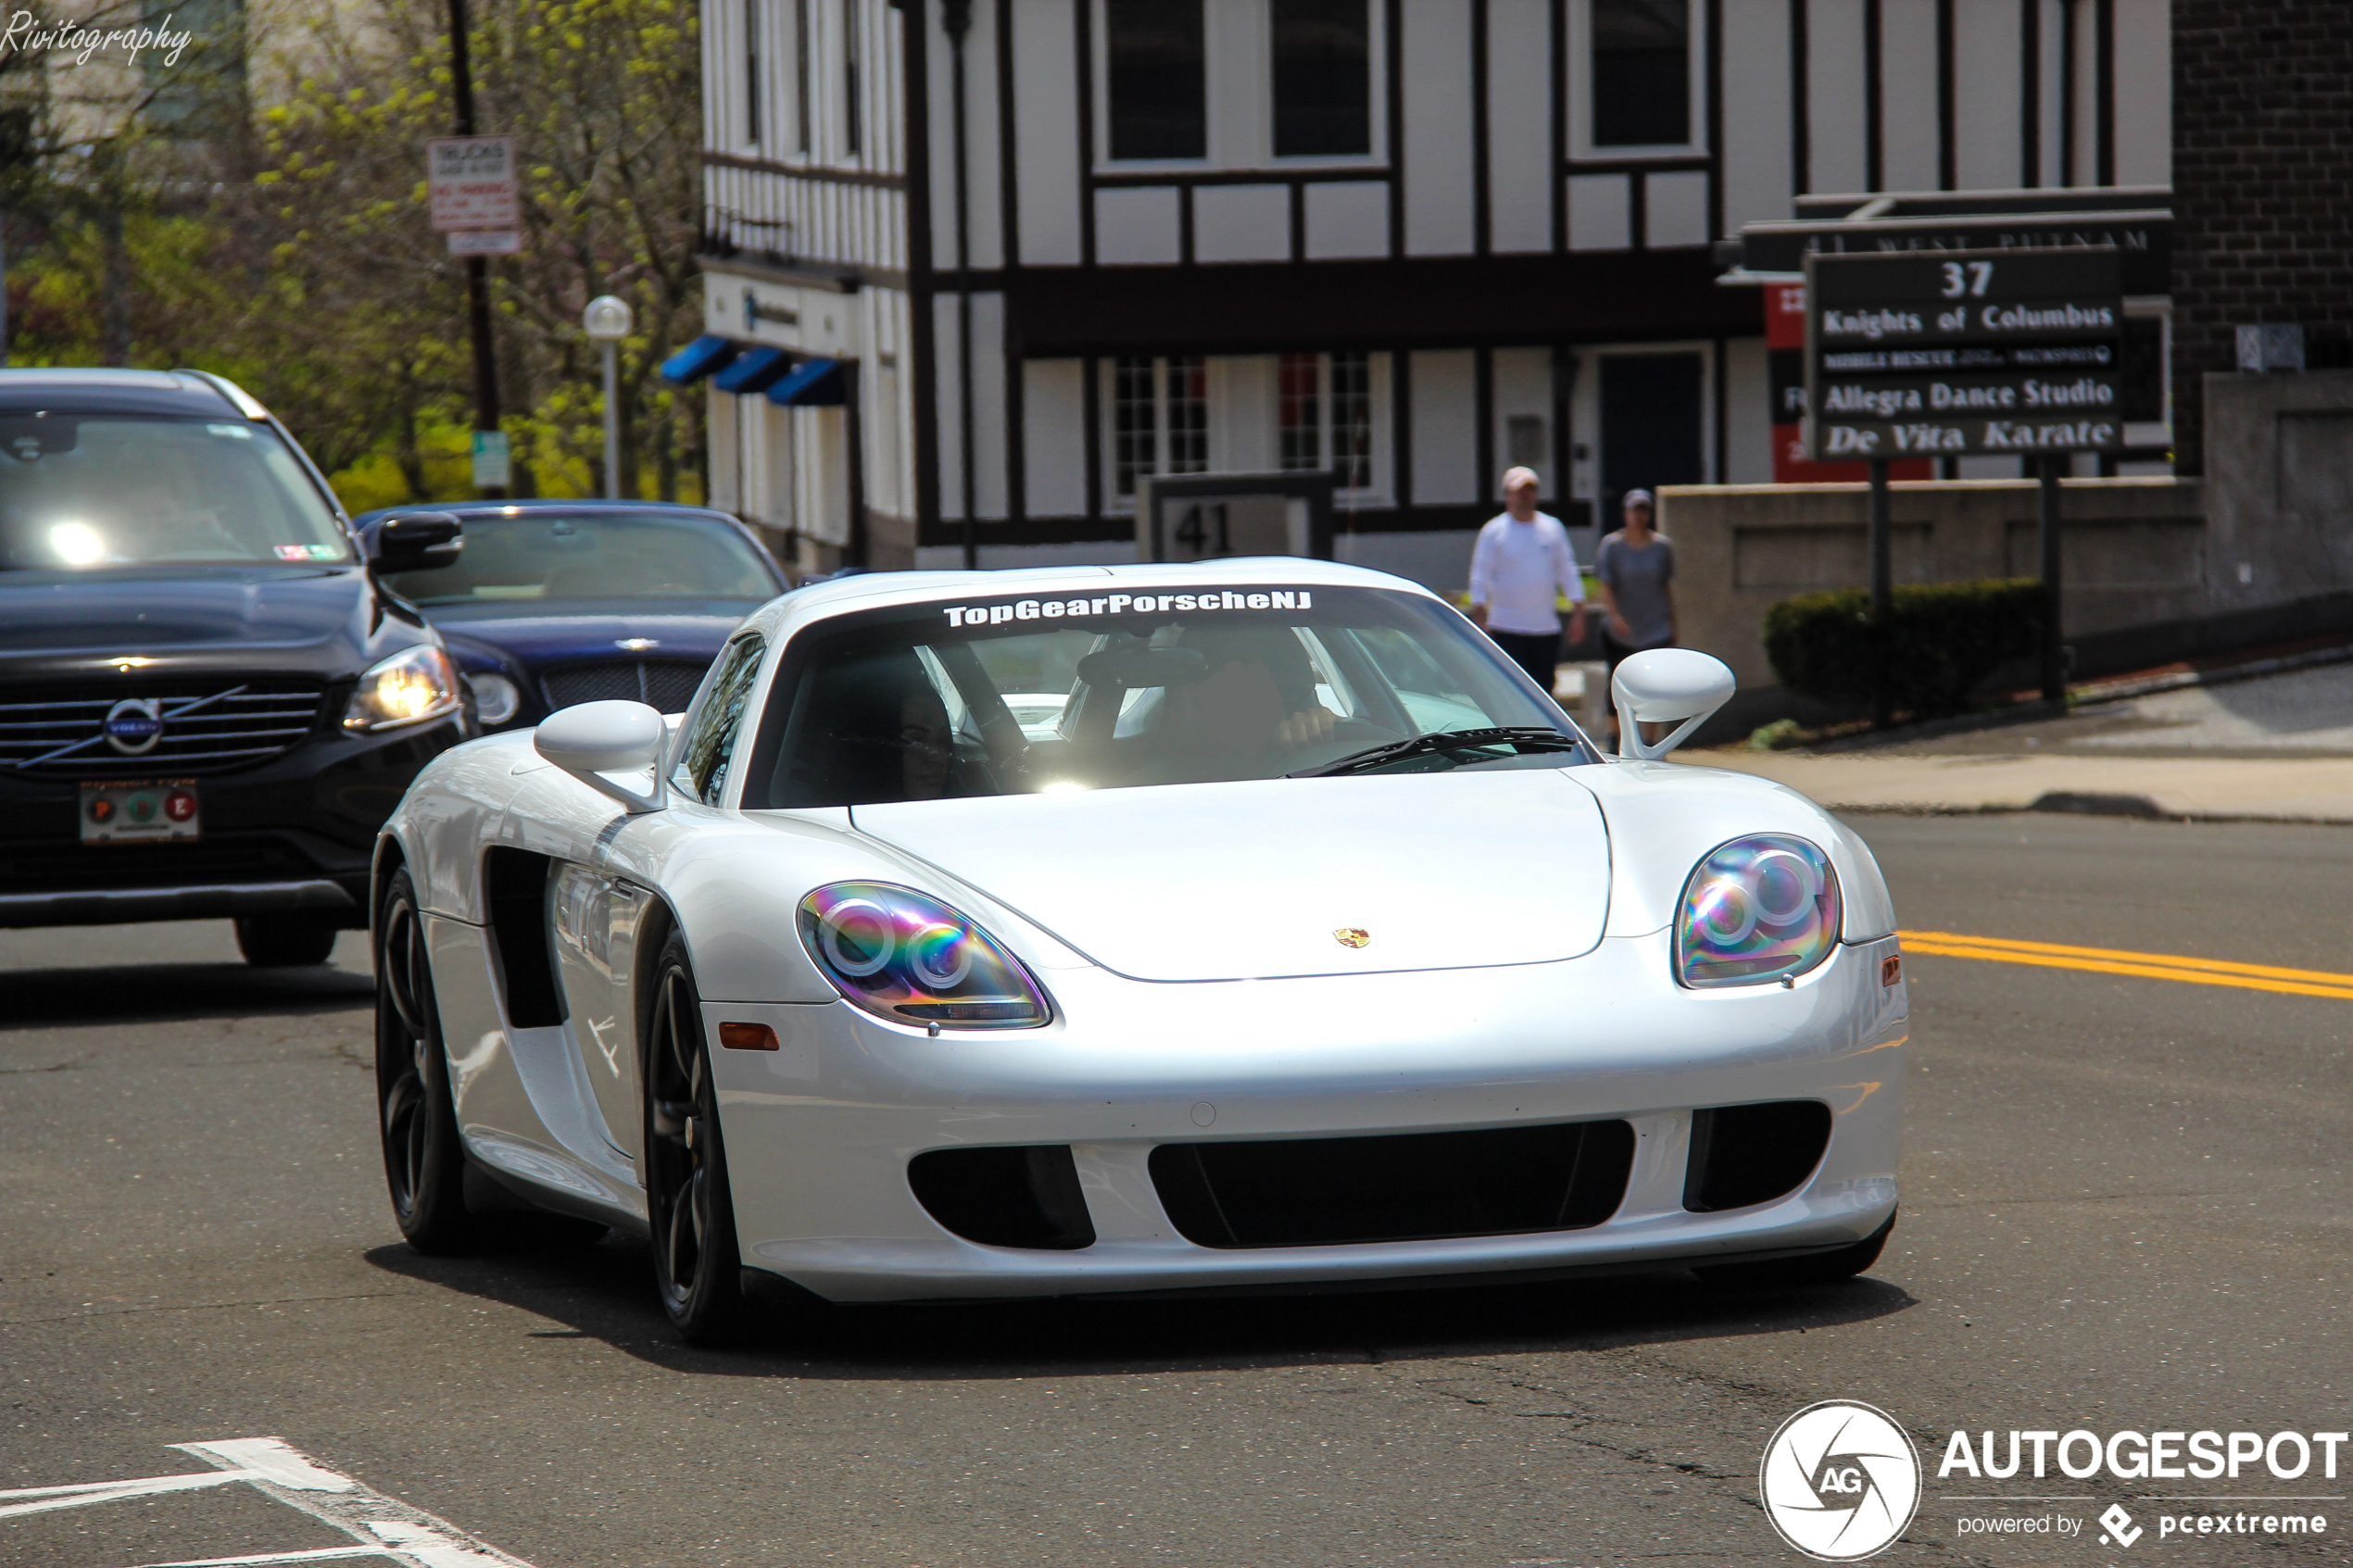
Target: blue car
{"type": "Point", "coordinates": [552, 603]}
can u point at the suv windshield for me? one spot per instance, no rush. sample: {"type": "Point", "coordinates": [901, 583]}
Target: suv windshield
{"type": "Point", "coordinates": [80, 491]}
{"type": "Point", "coordinates": [1019, 694]}
{"type": "Point", "coordinates": [538, 554]}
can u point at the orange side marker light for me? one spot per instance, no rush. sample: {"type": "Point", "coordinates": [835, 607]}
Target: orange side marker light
{"type": "Point", "coordinates": [749, 1037]}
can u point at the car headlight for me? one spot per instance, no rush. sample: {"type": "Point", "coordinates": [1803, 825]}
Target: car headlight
{"type": "Point", "coordinates": [497, 700]}
{"type": "Point", "coordinates": [1758, 908]}
{"type": "Point", "coordinates": [411, 686]}
{"type": "Point", "coordinates": [907, 957]}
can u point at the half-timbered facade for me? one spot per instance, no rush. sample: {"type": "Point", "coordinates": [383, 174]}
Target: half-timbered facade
{"type": "Point", "coordinates": [980, 266]}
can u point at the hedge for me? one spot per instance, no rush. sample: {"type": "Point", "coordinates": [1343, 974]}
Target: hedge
{"type": "Point", "coordinates": [1940, 643]}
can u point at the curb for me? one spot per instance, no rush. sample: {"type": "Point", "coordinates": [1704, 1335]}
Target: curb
{"type": "Point", "coordinates": [2091, 805]}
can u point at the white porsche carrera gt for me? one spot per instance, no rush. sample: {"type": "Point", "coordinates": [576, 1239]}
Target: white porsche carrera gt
{"type": "Point", "coordinates": [1250, 923]}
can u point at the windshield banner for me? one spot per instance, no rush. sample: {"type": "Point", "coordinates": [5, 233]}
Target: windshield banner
{"type": "Point", "coordinates": [1131, 603]}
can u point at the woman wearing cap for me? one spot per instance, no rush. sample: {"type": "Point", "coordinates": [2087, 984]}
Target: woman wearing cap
{"type": "Point", "coordinates": [1636, 570]}
{"type": "Point", "coordinates": [1521, 566]}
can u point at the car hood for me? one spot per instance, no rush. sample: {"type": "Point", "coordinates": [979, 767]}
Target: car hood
{"type": "Point", "coordinates": [1258, 880]}
{"type": "Point", "coordinates": [591, 628]}
{"type": "Point", "coordinates": [178, 610]}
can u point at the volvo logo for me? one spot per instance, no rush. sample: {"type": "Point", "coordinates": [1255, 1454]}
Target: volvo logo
{"type": "Point", "coordinates": [133, 725]}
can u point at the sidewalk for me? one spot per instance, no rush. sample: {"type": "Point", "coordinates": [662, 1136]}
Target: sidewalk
{"type": "Point", "coordinates": [2277, 747]}
{"type": "Point", "coordinates": [2301, 790]}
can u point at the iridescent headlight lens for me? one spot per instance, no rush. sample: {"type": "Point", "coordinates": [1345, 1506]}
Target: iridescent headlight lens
{"type": "Point", "coordinates": [1756, 910]}
{"type": "Point", "coordinates": [907, 957]}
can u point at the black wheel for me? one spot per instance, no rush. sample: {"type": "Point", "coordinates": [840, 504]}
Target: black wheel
{"type": "Point", "coordinates": [1820, 1268]}
{"type": "Point", "coordinates": [425, 1163]}
{"type": "Point", "coordinates": [285, 941]}
{"type": "Point", "coordinates": [696, 1267]}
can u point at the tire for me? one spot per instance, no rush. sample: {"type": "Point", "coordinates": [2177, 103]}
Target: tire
{"type": "Point", "coordinates": [285, 941]}
{"type": "Point", "coordinates": [1819, 1268]}
{"type": "Point", "coordinates": [697, 1271]}
{"type": "Point", "coordinates": [425, 1162]}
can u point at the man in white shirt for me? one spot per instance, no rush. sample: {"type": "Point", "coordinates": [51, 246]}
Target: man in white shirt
{"type": "Point", "coordinates": [1521, 565]}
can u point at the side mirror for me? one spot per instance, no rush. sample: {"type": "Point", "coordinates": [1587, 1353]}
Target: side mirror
{"type": "Point", "coordinates": [593, 739]}
{"type": "Point", "coordinates": [1663, 685]}
{"type": "Point", "coordinates": [415, 541]}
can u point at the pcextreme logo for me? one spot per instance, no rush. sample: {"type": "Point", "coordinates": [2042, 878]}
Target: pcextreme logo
{"type": "Point", "coordinates": [1840, 1481]}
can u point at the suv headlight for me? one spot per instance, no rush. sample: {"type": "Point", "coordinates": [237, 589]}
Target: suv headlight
{"type": "Point", "coordinates": [1757, 909]}
{"type": "Point", "coordinates": [907, 957]}
{"type": "Point", "coordinates": [411, 686]}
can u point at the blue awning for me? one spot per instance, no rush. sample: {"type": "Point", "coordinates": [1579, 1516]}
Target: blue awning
{"type": "Point", "coordinates": [755, 371]}
{"type": "Point", "coordinates": [814, 383]}
{"type": "Point", "coordinates": [699, 359]}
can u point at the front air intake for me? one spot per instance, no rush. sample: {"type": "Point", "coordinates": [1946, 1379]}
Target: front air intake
{"type": "Point", "coordinates": [1743, 1155]}
{"type": "Point", "coordinates": [1411, 1186]}
{"type": "Point", "coordinates": [1023, 1196]}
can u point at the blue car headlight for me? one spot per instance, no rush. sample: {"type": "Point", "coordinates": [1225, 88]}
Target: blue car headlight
{"type": "Point", "coordinates": [1756, 910]}
{"type": "Point", "coordinates": [907, 957]}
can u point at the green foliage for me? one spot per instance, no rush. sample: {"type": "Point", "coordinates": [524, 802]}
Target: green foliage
{"type": "Point", "coordinates": [1940, 643]}
{"type": "Point", "coordinates": [296, 256]}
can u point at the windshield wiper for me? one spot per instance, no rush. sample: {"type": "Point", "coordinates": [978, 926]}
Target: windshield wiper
{"type": "Point", "coordinates": [1534, 737]}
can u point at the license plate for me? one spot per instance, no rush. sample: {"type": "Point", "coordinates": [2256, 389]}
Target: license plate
{"type": "Point", "coordinates": [146, 811]}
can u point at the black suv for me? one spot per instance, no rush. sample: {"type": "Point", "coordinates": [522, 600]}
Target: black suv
{"type": "Point", "coordinates": [207, 703]}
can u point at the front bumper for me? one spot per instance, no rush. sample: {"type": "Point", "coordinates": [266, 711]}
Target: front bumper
{"type": "Point", "coordinates": [820, 1133]}
{"type": "Point", "coordinates": [295, 833]}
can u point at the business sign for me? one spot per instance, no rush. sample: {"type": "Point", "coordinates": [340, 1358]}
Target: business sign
{"type": "Point", "coordinates": [1785, 377]}
{"type": "Point", "coordinates": [470, 182]}
{"type": "Point", "coordinates": [1963, 354]}
{"type": "Point", "coordinates": [2141, 239]}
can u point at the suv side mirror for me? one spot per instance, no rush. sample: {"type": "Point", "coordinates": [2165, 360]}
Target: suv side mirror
{"type": "Point", "coordinates": [1663, 685]}
{"type": "Point", "coordinates": [415, 541]}
{"type": "Point", "coordinates": [591, 739]}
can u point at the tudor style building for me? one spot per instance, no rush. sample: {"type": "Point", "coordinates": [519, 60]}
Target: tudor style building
{"type": "Point", "coordinates": [972, 270]}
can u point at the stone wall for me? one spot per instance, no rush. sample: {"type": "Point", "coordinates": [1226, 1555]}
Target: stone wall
{"type": "Point", "coordinates": [2134, 551]}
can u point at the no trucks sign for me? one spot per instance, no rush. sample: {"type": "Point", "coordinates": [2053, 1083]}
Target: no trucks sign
{"type": "Point", "coordinates": [1959, 353]}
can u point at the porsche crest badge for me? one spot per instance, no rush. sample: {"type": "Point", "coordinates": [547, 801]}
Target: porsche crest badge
{"type": "Point", "coordinates": [1351, 936]}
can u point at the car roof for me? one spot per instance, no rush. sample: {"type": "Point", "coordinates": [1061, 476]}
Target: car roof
{"type": "Point", "coordinates": [782, 617]}
{"type": "Point", "coordinates": [88, 390]}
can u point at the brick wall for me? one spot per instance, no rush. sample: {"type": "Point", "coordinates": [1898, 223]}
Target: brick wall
{"type": "Point", "coordinates": [2262, 186]}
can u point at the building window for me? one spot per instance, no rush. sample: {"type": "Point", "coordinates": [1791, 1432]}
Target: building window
{"type": "Point", "coordinates": [1322, 78]}
{"type": "Point", "coordinates": [1160, 419]}
{"type": "Point", "coordinates": [1159, 96]}
{"type": "Point", "coordinates": [751, 71]}
{"type": "Point", "coordinates": [1641, 60]}
{"type": "Point", "coordinates": [800, 71]}
{"type": "Point", "coordinates": [1323, 408]}
{"type": "Point", "coordinates": [849, 76]}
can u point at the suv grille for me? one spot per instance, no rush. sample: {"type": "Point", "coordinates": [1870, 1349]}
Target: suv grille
{"type": "Point", "coordinates": [666, 685]}
{"type": "Point", "coordinates": [209, 726]}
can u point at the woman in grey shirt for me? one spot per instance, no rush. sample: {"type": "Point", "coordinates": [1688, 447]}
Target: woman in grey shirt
{"type": "Point", "coordinates": [1636, 569]}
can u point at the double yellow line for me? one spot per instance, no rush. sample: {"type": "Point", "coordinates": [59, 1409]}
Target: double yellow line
{"type": "Point", "coordinates": [2148, 966]}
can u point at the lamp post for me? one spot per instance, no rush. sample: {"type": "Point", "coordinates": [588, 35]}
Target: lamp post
{"type": "Point", "coordinates": [607, 321]}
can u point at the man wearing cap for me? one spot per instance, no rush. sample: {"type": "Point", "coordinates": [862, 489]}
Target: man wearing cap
{"type": "Point", "coordinates": [1521, 565]}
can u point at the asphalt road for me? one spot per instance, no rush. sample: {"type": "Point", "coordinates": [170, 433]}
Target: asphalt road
{"type": "Point", "coordinates": [2126, 1207]}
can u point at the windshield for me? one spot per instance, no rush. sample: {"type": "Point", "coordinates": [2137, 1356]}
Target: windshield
{"type": "Point", "coordinates": [84, 491]}
{"type": "Point", "coordinates": [537, 554]}
{"type": "Point", "coordinates": [1016, 696]}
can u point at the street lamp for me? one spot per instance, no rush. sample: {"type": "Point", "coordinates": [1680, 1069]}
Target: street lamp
{"type": "Point", "coordinates": [607, 321]}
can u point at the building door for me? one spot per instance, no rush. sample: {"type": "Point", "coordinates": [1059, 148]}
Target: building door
{"type": "Point", "coordinates": [1650, 426]}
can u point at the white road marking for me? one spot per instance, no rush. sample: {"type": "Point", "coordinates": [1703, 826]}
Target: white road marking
{"type": "Point", "coordinates": [381, 1527]}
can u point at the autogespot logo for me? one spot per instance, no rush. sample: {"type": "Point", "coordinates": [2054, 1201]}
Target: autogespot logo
{"type": "Point", "coordinates": [1840, 1481]}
